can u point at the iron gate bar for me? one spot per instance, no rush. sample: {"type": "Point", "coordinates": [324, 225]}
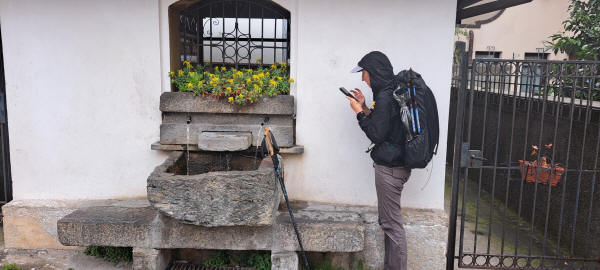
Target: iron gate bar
{"type": "Point", "coordinates": [539, 158]}
{"type": "Point", "coordinates": [580, 165]}
{"type": "Point", "coordinates": [512, 133]}
{"type": "Point", "coordinates": [566, 165]}
{"type": "Point", "coordinates": [466, 170]}
{"type": "Point", "coordinates": [495, 167]}
{"type": "Point", "coordinates": [487, 89]}
{"type": "Point", "coordinates": [548, 201]}
{"type": "Point", "coordinates": [450, 257]}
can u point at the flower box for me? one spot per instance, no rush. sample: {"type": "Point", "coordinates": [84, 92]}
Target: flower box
{"type": "Point", "coordinates": [529, 173]}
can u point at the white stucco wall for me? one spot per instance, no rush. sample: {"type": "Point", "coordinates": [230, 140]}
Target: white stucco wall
{"type": "Point", "coordinates": [83, 84]}
{"type": "Point", "coordinates": [332, 37]}
{"type": "Point", "coordinates": [83, 107]}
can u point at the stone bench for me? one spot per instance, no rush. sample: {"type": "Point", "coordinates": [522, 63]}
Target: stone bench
{"type": "Point", "coordinates": [152, 234]}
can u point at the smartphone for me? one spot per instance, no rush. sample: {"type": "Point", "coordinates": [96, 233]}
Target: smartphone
{"type": "Point", "coordinates": [345, 92]}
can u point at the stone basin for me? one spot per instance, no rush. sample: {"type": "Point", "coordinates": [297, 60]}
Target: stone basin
{"type": "Point", "coordinates": [215, 189]}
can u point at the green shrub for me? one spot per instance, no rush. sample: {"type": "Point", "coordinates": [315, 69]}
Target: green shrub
{"type": "Point", "coordinates": [111, 254]}
{"type": "Point", "coordinates": [11, 267]}
{"type": "Point", "coordinates": [260, 260]}
{"type": "Point", "coordinates": [219, 259]}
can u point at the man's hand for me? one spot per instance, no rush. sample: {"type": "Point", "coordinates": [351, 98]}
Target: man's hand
{"type": "Point", "coordinates": [357, 107]}
{"type": "Point", "coordinates": [358, 95]}
{"type": "Point", "coordinates": [361, 100]}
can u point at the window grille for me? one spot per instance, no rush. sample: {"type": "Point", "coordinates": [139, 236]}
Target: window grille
{"type": "Point", "coordinates": [235, 33]}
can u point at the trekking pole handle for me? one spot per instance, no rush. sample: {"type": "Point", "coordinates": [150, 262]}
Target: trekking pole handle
{"type": "Point", "coordinates": [269, 143]}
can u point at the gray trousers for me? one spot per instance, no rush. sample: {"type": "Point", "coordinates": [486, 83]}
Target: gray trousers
{"type": "Point", "coordinates": [389, 183]}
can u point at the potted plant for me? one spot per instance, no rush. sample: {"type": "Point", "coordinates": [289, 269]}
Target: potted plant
{"type": "Point", "coordinates": [218, 100]}
{"type": "Point", "coordinates": [532, 172]}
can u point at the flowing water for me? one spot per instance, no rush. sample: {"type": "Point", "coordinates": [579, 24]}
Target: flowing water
{"type": "Point", "coordinates": [187, 147]}
{"type": "Point", "coordinates": [258, 141]}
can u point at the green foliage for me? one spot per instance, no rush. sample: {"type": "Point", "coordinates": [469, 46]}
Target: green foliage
{"type": "Point", "coordinates": [238, 86]}
{"type": "Point", "coordinates": [327, 266]}
{"type": "Point", "coordinates": [581, 35]}
{"type": "Point", "coordinates": [219, 259]}
{"type": "Point", "coordinates": [11, 267]}
{"type": "Point", "coordinates": [111, 254]}
{"type": "Point", "coordinates": [260, 260]}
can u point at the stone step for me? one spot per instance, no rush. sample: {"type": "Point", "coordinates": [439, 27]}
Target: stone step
{"type": "Point", "coordinates": [141, 226]}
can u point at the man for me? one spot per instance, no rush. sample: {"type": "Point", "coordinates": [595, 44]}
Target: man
{"type": "Point", "coordinates": [383, 127]}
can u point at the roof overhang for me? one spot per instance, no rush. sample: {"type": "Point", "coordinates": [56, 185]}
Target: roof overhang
{"type": "Point", "coordinates": [471, 8]}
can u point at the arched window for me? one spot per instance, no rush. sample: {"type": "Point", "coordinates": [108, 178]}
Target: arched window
{"type": "Point", "coordinates": [236, 33]}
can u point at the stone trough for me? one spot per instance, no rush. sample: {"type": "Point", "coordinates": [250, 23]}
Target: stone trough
{"type": "Point", "coordinates": [215, 189]}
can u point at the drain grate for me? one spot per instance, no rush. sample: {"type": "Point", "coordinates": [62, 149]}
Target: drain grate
{"type": "Point", "coordinates": [189, 266]}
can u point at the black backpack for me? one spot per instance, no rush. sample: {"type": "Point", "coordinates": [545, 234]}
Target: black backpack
{"type": "Point", "coordinates": [419, 115]}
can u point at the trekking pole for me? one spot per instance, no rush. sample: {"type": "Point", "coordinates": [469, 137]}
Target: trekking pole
{"type": "Point", "coordinates": [273, 151]}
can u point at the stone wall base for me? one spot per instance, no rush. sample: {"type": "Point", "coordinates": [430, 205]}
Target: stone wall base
{"type": "Point", "coordinates": [31, 226]}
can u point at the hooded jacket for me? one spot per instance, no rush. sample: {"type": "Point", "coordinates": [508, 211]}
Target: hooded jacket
{"type": "Point", "coordinates": [383, 126]}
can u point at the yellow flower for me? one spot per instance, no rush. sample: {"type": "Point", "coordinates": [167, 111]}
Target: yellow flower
{"type": "Point", "coordinates": [273, 66]}
{"type": "Point", "coordinates": [279, 78]}
{"type": "Point", "coordinates": [283, 64]}
{"type": "Point", "coordinates": [239, 73]}
{"type": "Point", "coordinates": [190, 85]}
{"type": "Point", "coordinates": [241, 95]}
{"type": "Point", "coordinates": [187, 64]}
{"type": "Point", "coordinates": [230, 99]}
{"type": "Point", "coordinates": [261, 75]}
{"type": "Point", "coordinates": [272, 82]}
{"type": "Point", "coordinates": [192, 73]}
{"type": "Point", "coordinates": [228, 88]}
{"type": "Point", "coordinates": [249, 80]}
{"type": "Point", "coordinates": [255, 77]}
{"type": "Point", "coordinates": [211, 75]}
{"type": "Point", "coordinates": [259, 60]}
{"type": "Point", "coordinates": [200, 83]}
{"type": "Point", "coordinates": [267, 74]}
{"type": "Point", "coordinates": [291, 80]}
{"type": "Point", "coordinates": [223, 68]}
{"type": "Point", "coordinates": [256, 87]}
{"type": "Point", "coordinates": [261, 83]}
{"type": "Point", "coordinates": [171, 73]}
{"type": "Point", "coordinates": [230, 80]}
{"type": "Point", "coordinates": [180, 72]}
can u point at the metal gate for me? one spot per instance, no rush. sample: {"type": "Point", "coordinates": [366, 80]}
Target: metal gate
{"type": "Point", "coordinates": [525, 165]}
{"type": "Point", "coordinates": [5, 179]}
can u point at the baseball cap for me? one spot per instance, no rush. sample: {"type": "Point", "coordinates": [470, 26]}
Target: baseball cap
{"type": "Point", "coordinates": [356, 69]}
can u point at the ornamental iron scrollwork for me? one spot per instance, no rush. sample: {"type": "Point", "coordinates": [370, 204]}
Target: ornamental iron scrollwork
{"type": "Point", "coordinates": [235, 33]}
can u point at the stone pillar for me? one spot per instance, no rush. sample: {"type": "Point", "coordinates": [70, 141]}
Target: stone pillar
{"type": "Point", "coordinates": [374, 251]}
{"type": "Point", "coordinates": [151, 259]}
{"type": "Point", "coordinates": [287, 260]}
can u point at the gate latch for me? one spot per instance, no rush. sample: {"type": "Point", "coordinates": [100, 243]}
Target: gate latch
{"type": "Point", "coordinates": [471, 158]}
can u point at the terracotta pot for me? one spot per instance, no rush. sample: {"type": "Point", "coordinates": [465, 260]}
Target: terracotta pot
{"type": "Point", "coordinates": [529, 171]}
